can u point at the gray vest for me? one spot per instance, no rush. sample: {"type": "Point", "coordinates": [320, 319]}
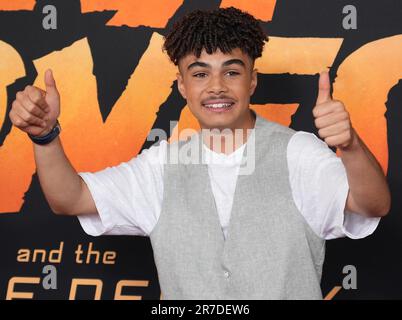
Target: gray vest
{"type": "Point", "coordinates": [270, 252]}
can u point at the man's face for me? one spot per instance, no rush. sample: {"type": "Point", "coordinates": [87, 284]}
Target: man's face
{"type": "Point", "coordinates": [218, 87]}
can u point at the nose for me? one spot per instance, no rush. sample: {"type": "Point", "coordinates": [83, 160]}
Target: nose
{"type": "Point", "coordinates": [216, 84]}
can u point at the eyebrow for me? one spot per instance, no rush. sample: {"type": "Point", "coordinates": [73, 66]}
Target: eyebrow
{"type": "Point", "coordinates": [225, 64]}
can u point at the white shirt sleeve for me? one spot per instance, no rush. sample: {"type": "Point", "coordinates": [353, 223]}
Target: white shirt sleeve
{"type": "Point", "coordinates": [320, 188]}
{"type": "Point", "coordinates": [128, 196]}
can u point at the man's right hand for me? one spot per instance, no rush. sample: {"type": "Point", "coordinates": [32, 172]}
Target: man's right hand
{"type": "Point", "coordinates": [35, 111]}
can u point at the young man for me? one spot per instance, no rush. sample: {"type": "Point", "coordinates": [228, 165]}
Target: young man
{"type": "Point", "coordinates": [217, 234]}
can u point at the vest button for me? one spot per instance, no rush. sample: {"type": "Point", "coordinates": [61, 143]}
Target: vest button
{"type": "Point", "coordinates": [226, 274]}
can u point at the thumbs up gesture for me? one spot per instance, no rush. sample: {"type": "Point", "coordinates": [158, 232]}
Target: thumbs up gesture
{"type": "Point", "coordinates": [331, 117]}
{"type": "Point", "coordinates": [34, 110]}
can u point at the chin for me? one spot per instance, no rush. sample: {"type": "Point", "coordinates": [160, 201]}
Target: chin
{"type": "Point", "coordinates": [218, 121]}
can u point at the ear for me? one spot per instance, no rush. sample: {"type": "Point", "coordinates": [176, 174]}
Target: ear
{"type": "Point", "coordinates": [253, 81]}
{"type": "Point", "coordinates": [180, 85]}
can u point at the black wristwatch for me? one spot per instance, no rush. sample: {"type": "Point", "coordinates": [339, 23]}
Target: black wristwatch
{"type": "Point", "coordinates": [49, 137]}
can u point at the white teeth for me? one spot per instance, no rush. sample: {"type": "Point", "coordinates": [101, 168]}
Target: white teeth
{"type": "Point", "coordinates": [218, 105]}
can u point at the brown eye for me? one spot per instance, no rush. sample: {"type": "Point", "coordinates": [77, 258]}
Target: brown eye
{"type": "Point", "coordinates": [199, 75]}
{"type": "Point", "coordinates": [233, 73]}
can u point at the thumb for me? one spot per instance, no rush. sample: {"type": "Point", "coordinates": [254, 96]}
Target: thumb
{"type": "Point", "coordinates": [324, 88]}
{"type": "Point", "coordinates": [51, 89]}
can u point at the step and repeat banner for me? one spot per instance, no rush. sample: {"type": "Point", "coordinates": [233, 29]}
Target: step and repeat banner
{"type": "Point", "coordinates": [116, 84]}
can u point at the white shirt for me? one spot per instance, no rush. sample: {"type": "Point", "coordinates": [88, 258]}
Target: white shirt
{"type": "Point", "coordinates": [128, 196]}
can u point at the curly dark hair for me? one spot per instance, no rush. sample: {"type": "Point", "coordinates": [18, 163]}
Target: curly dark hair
{"type": "Point", "coordinates": [223, 28]}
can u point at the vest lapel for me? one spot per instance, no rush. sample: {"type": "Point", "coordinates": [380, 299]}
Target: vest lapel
{"type": "Point", "coordinates": [244, 185]}
{"type": "Point", "coordinates": [201, 198]}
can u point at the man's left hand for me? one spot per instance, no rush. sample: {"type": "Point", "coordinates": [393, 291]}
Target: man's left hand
{"type": "Point", "coordinates": [331, 117]}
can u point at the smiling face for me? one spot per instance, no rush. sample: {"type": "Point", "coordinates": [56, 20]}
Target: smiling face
{"type": "Point", "coordinates": [218, 87]}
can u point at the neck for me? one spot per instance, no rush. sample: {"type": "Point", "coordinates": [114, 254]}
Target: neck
{"type": "Point", "coordinates": [227, 140]}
